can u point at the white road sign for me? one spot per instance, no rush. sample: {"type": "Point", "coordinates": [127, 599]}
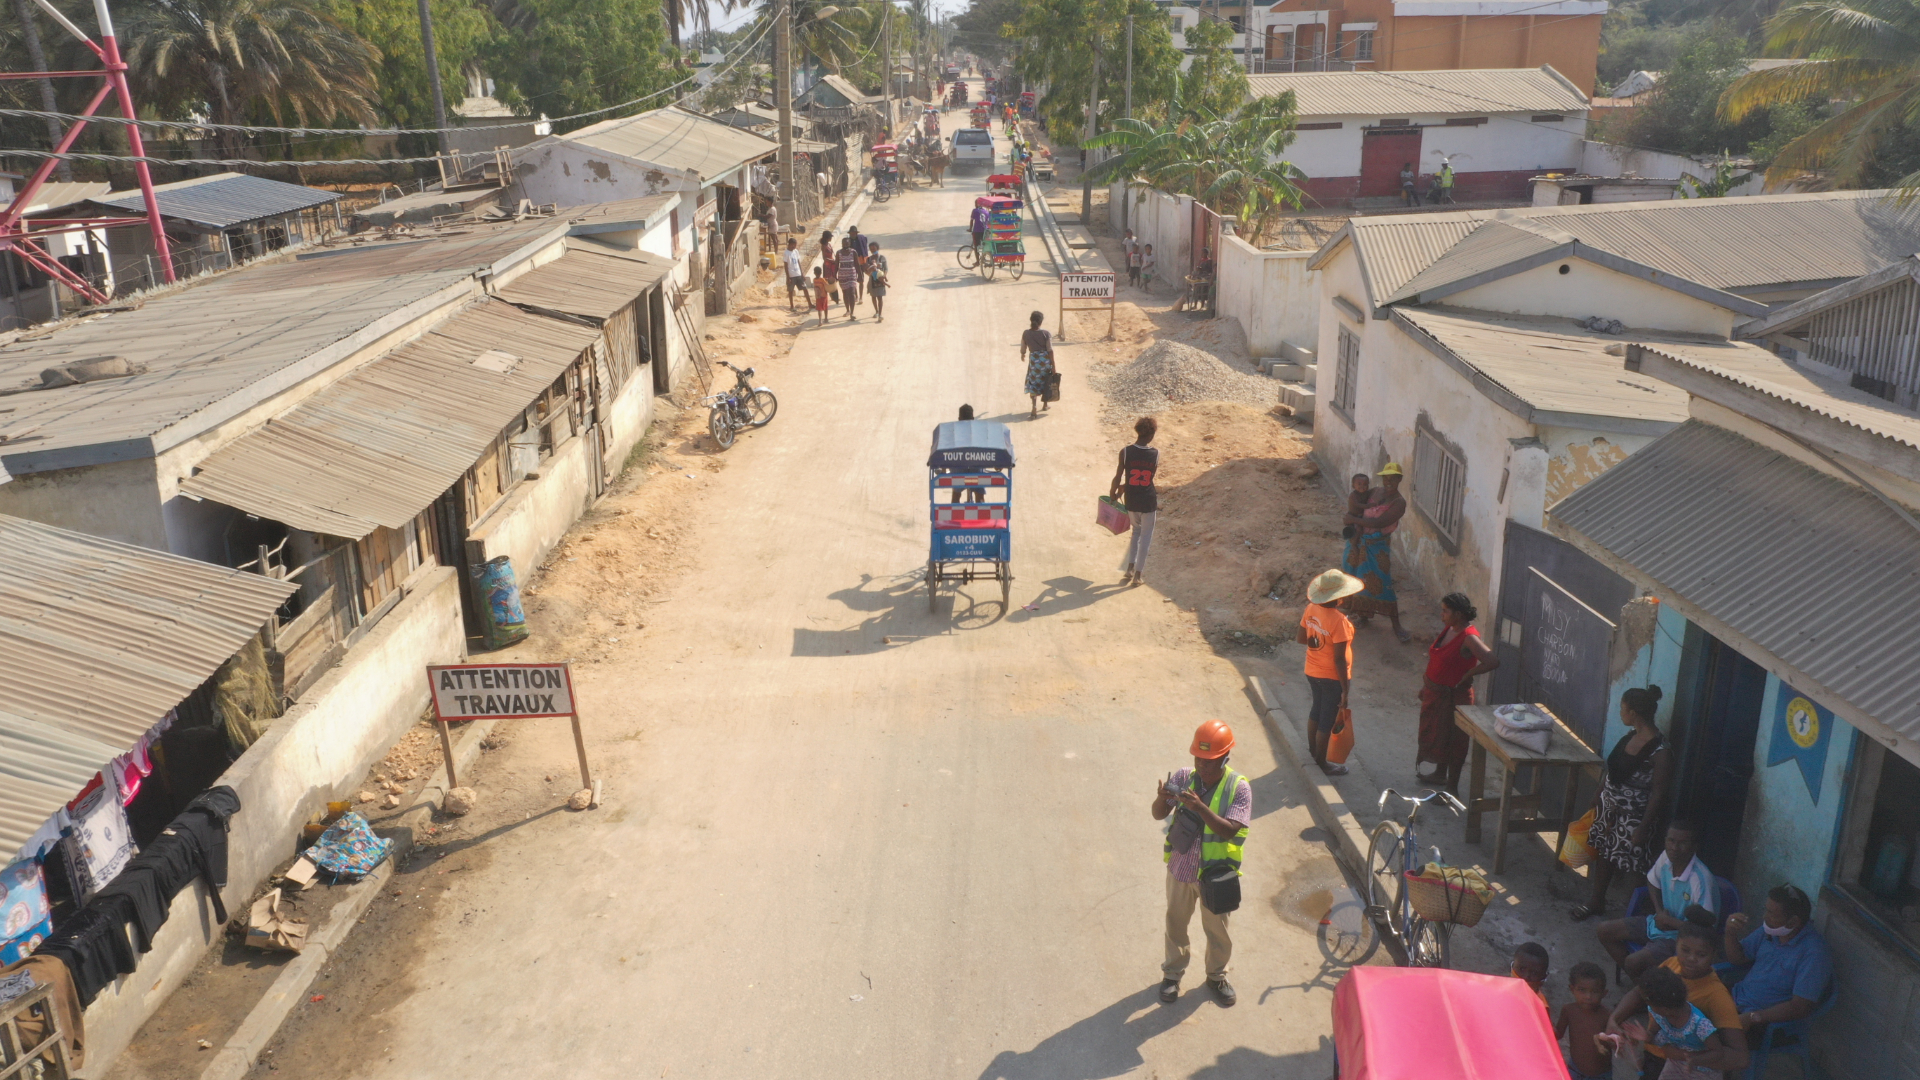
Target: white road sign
{"type": "Point", "coordinates": [1086, 286]}
{"type": "Point", "coordinates": [469, 691]}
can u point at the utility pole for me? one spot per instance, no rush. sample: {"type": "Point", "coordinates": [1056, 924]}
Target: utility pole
{"type": "Point", "coordinates": [1126, 196]}
{"type": "Point", "coordinates": [886, 65]}
{"type": "Point", "coordinates": [1093, 119]}
{"type": "Point", "coordinates": [785, 212]}
{"type": "Point", "coordinates": [433, 75]}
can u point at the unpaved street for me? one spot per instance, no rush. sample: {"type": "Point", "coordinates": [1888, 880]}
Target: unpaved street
{"type": "Point", "coordinates": [844, 836]}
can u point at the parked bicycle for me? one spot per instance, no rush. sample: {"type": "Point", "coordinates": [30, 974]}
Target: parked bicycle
{"type": "Point", "coordinates": [738, 408]}
{"type": "Point", "coordinates": [1395, 850]}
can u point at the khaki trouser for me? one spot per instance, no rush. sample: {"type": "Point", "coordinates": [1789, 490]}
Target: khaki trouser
{"type": "Point", "coordinates": [1182, 898]}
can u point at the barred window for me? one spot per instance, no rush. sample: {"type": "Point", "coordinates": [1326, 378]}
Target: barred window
{"type": "Point", "coordinates": [1346, 372]}
{"type": "Point", "coordinates": [1439, 483]}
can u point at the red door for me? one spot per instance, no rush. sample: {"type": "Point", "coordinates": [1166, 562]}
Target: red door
{"type": "Point", "coordinates": [1382, 153]}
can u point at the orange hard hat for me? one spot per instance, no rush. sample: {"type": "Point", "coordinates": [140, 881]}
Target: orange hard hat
{"type": "Point", "coordinates": [1212, 740]}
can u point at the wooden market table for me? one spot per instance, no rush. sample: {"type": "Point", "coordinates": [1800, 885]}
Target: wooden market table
{"type": "Point", "coordinates": [1564, 751]}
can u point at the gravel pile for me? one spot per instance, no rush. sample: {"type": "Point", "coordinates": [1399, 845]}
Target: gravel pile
{"type": "Point", "coordinates": [1170, 373]}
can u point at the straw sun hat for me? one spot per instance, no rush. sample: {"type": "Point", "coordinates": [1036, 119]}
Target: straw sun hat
{"type": "Point", "coordinates": [1332, 585]}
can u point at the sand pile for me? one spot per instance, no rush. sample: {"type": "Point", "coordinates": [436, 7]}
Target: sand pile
{"type": "Point", "coordinates": [1170, 373]}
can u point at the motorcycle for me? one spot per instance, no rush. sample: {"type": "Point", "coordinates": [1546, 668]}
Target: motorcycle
{"type": "Point", "coordinates": [738, 408]}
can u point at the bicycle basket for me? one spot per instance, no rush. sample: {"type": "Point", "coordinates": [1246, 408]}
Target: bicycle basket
{"type": "Point", "coordinates": [1447, 894]}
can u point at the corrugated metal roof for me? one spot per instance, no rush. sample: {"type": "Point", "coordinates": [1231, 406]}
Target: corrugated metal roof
{"type": "Point", "coordinates": [211, 348]}
{"type": "Point", "coordinates": [1812, 569]}
{"type": "Point", "coordinates": [381, 444]}
{"type": "Point", "coordinates": [675, 139]}
{"type": "Point", "coordinates": [1423, 93]}
{"type": "Point", "coordinates": [1759, 370]}
{"type": "Point", "coordinates": [647, 210]}
{"type": "Point", "coordinates": [590, 280]}
{"type": "Point", "coordinates": [1493, 245]}
{"type": "Point", "coordinates": [1744, 243]}
{"type": "Point", "coordinates": [54, 194]}
{"type": "Point", "coordinates": [223, 199]}
{"type": "Point", "coordinates": [1797, 314]}
{"type": "Point", "coordinates": [1555, 367]}
{"type": "Point", "coordinates": [99, 639]}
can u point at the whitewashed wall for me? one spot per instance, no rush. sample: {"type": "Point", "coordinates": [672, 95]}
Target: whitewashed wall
{"type": "Point", "coordinates": [1609, 159]}
{"type": "Point", "coordinates": [1272, 293]}
{"type": "Point", "coordinates": [1165, 221]}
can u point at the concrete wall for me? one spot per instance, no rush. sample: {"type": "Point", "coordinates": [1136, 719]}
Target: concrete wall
{"type": "Point", "coordinates": [1272, 293]}
{"type": "Point", "coordinates": [561, 171]}
{"type": "Point", "coordinates": [1609, 159]}
{"type": "Point", "coordinates": [1589, 289]}
{"type": "Point", "coordinates": [537, 513]}
{"type": "Point", "coordinates": [1160, 219]}
{"type": "Point", "coordinates": [1507, 142]}
{"type": "Point", "coordinates": [318, 751]}
{"type": "Point", "coordinates": [120, 501]}
{"type": "Point", "coordinates": [628, 419]}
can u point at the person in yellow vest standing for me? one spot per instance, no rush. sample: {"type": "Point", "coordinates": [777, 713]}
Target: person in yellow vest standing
{"type": "Point", "coordinates": [1210, 806]}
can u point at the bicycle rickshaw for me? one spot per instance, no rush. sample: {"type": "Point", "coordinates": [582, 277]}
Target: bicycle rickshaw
{"type": "Point", "coordinates": [970, 492]}
{"type": "Point", "coordinates": [1393, 1023]}
{"type": "Point", "coordinates": [1002, 249]}
{"type": "Point", "coordinates": [886, 171]}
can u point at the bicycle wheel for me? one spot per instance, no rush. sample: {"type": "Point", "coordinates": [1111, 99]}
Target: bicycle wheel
{"type": "Point", "coordinates": [882, 194]}
{"type": "Point", "coordinates": [720, 426]}
{"type": "Point", "coordinates": [1016, 269]}
{"type": "Point", "coordinates": [968, 256]}
{"type": "Point", "coordinates": [933, 584]}
{"type": "Point", "coordinates": [1429, 944]}
{"type": "Point", "coordinates": [761, 405]}
{"type": "Point", "coordinates": [1386, 889]}
{"type": "Point", "coordinates": [987, 268]}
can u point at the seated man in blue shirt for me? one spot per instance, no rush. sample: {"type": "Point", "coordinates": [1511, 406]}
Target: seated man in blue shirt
{"type": "Point", "coordinates": [1791, 968]}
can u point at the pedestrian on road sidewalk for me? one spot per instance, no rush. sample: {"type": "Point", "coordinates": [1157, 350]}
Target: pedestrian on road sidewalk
{"type": "Point", "coordinates": [1138, 463]}
{"type": "Point", "coordinates": [1328, 636]}
{"type": "Point", "coordinates": [849, 267]}
{"type": "Point", "coordinates": [796, 276]}
{"type": "Point", "coordinates": [1210, 805]}
{"type": "Point", "coordinates": [877, 281]}
{"type": "Point", "coordinates": [1455, 657]}
{"type": "Point", "coordinates": [822, 289]}
{"type": "Point", "coordinates": [1036, 346]}
{"type": "Point", "coordinates": [1369, 552]}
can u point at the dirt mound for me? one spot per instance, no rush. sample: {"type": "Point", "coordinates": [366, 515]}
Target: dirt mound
{"type": "Point", "coordinates": [1171, 373]}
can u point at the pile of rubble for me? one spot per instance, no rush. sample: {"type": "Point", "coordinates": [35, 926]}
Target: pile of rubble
{"type": "Point", "coordinates": [1170, 373]}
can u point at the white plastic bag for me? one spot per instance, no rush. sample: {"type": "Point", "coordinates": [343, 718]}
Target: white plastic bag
{"type": "Point", "coordinates": [1523, 727]}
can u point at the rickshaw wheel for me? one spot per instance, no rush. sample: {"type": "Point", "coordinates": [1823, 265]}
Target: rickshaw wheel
{"type": "Point", "coordinates": [986, 267]}
{"type": "Point", "coordinates": [933, 584]}
{"type": "Point", "coordinates": [1430, 944]}
{"type": "Point", "coordinates": [1016, 269]}
{"type": "Point", "coordinates": [1005, 574]}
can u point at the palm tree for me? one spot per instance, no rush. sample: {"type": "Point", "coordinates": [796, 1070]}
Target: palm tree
{"type": "Point", "coordinates": [235, 60]}
{"type": "Point", "coordinates": [1864, 51]}
{"type": "Point", "coordinates": [1231, 163]}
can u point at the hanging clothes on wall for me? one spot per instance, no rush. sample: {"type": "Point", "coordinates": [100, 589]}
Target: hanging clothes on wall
{"type": "Point", "coordinates": [99, 843]}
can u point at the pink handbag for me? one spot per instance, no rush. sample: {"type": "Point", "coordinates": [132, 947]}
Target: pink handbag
{"type": "Point", "coordinates": [1112, 516]}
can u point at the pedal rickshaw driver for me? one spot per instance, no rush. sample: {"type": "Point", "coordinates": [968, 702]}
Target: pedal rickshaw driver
{"type": "Point", "coordinates": [977, 222]}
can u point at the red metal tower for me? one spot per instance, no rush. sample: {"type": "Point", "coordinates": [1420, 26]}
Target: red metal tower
{"type": "Point", "coordinates": [14, 234]}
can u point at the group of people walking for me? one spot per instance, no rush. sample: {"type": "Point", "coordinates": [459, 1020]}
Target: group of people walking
{"type": "Point", "coordinates": [842, 274]}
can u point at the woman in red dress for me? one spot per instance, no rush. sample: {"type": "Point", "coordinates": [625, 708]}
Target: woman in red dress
{"type": "Point", "coordinates": [1453, 659]}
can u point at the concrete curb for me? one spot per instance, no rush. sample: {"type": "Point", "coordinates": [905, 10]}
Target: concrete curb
{"type": "Point", "coordinates": [264, 1020]}
{"type": "Point", "coordinates": [1329, 807]}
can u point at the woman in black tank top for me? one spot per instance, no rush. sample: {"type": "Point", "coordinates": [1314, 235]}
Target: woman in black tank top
{"type": "Point", "coordinates": [1134, 480]}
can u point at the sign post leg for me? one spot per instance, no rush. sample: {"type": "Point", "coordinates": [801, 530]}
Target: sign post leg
{"type": "Point", "coordinates": [580, 747]}
{"type": "Point", "coordinates": [446, 751]}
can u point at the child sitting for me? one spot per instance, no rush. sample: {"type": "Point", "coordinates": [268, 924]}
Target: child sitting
{"type": "Point", "coordinates": [1693, 962]}
{"type": "Point", "coordinates": [1693, 1047]}
{"type": "Point", "coordinates": [1583, 1018]}
{"type": "Point", "coordinates": [1530, 966]}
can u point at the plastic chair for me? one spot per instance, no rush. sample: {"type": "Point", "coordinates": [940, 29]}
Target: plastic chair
{"type": "Point", "coordinates": [1640, 903]}
{"type": "Point", "coordinates": [1770, 1042]}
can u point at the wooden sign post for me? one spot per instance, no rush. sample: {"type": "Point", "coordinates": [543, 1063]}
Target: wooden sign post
{"type": "Point", "coordinates": [507, 692]}
{"type": "Point", "coordinates": [1091, 292]}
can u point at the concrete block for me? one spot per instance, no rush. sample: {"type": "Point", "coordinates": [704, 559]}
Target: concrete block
{"type": "Point", "coordinates": [1290, 372]}
{"type": "Point", "coordinates": [1298, 354]}
{"type": "Point", "coordinates": [1298, 397]}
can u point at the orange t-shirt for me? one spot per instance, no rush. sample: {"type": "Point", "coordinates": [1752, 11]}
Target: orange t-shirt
{"type": "Point", "coordinates": [1328, 629]}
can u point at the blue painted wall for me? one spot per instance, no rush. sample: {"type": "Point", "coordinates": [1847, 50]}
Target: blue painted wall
{"type": "Point", "coordinates": [1787, 836]}
{"type": "Point", "coordinates": [1657, 664]}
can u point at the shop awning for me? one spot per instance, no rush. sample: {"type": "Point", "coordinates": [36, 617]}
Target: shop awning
{"type": "Point", "coordinates": [1784, 562]}
{"type": "Point", "coordinates": [377, 447]}
{"type": "Point", "coordinates": [591, 280]}
{"type": "Point", "coordinates": [99, 639]}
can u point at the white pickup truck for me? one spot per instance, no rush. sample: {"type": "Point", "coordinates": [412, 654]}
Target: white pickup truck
{"type": "Point", "coordinates": [972, 146]}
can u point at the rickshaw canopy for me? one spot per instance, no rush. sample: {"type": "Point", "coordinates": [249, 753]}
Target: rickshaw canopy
{"type": "Point", "coordinates": [1394, 1023]}
{"type": "Point", "coordinates": [971, 445]}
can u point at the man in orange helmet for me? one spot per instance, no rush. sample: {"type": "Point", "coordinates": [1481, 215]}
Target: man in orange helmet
{"type": "Point", "coordinates": [1211, 806]}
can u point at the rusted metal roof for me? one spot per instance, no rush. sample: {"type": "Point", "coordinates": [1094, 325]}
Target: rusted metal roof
{"type": "Point", "coordinates": [1756, 369]}
{"type": "Point", "coordinates": [375, 448]}
{"type": "Point", "coordinates": [99, 639]}
{"type": "Point", "coordinates": [591, 280]}
{"type": "Point", "coordinates": [1748, 243]}
{"type": "Point", "coordinates": [1412, 94]}
{"type": "Point", "coordinates": [214, 349]}
{"type": "Point", "coordinates": [1807, 568]}
{"type": "Point", "coordinates": [223, 200]}
{"type": "Point", "coordinates": [634, 212]}
{"type": "Point", "coordinates": [674, 139]}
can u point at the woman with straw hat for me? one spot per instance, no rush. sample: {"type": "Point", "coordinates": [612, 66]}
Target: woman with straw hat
{"type": "Point", "coordinates": [1328, 636]}
{"type": "Point", "coordinates": [1369, 554]}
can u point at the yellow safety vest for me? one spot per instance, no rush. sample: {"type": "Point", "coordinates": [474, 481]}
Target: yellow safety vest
{"type": "Point", "coordinates": [1213, 849]}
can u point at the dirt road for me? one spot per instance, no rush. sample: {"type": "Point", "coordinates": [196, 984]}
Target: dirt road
{"type": "Point", "coordinates": [842, 835]}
